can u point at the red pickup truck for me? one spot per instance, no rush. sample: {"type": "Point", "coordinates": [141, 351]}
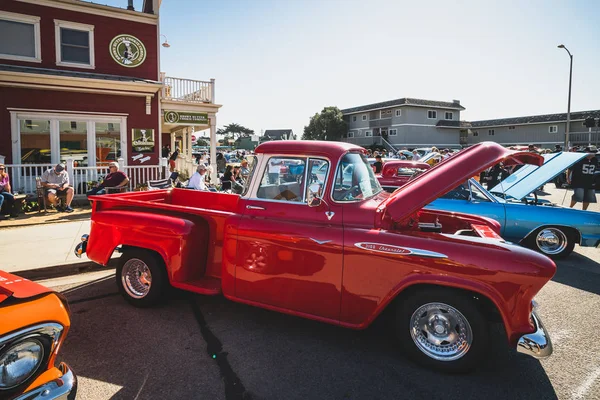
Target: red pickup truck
{"type": "Point", "coordinates": [331, 245]}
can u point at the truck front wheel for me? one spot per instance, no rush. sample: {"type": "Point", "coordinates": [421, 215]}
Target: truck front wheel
{"type": "Point", "coordinates": [442, 329]}
{"type": "Point", "coordinates": [141, 277]}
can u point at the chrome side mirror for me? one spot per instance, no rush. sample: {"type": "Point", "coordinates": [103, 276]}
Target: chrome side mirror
{"type": "Point", "coordinates": [313, 194]}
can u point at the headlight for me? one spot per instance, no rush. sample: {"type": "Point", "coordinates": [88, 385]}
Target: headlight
{"type": "Point", "coordinates": [19, 362]}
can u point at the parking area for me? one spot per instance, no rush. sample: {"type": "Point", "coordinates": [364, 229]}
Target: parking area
{"type": "Point", "coordinates": [197, 347]}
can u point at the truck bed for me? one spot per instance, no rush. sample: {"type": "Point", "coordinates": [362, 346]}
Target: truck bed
{"type": "Point", "coordinates": [209, 210]}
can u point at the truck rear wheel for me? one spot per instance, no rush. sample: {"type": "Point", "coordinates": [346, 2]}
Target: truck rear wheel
{"type": "Point", "coordinates": [141, 277]}
{"type": "Point", "coordinates": [442, 329]}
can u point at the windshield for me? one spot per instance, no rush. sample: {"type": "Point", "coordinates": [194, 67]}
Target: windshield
{"type": "Point", "coordinates": [355, 179]}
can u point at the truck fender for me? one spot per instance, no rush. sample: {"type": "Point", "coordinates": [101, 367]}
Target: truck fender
{"type": "Point", "coordinates": [167, 237]}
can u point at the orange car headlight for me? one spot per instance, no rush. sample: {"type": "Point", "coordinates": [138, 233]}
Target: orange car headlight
{"type": "Point", "coordinates": [20, 362]}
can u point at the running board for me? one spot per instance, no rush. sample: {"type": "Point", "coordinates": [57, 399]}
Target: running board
{"type": "Point", "coordinates": [207, 285]}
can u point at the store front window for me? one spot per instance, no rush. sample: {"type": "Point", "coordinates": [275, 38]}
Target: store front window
{"type": "Point", "coordinates": [73, 142]}
{"type": "Point", "coordinates": [108, 142]}
{"type": "Point", "coordinates": [35, 142]}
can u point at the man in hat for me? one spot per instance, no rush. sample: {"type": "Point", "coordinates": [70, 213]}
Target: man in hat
{"type": "Point", "coordinates": [114, 179]}
{"type": "Point", "coordinates": [581, 177]}
{"type": "Point", "coordinates": [557, 148]}
{"type": "Point", "coordinates": [56, 184]}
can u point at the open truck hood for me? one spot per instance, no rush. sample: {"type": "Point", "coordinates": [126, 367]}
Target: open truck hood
{"type": "Point", "coordinates": [448, 174]}
{"type": "Point", "coordinates": [17, 287]}
{"type": "Point", "coordinates": [531, 177]}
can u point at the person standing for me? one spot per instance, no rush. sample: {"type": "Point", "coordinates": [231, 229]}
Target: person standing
{"type": "Point", "coordinates": [173, 158]}
{"type": "Point", "coordinates": [581, 178]}
{"type": "Point", "coordinates": [377, 165]}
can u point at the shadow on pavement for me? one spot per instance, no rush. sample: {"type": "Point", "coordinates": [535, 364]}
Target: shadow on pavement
{"type": "Point", "coordinates": [122, 352]}
{"type": "Point", "coordinates": [580, 272]}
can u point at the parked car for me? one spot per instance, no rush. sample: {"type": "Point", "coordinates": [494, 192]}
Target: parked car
{"type": "Point", "coordinates": [396, 173]}
{"type": "Point", "coordinates": [540, 225]}
{"type": "Point", "coordinates": [34, 322]}
{"type": "Point", "coordinates": [338, 250]}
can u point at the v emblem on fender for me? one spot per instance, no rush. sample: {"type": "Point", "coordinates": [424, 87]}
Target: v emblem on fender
{"type": "Point", "coordinates": [320, 241]}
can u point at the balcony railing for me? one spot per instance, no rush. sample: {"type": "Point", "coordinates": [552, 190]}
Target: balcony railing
{"type": "Point", "coordinates": [188, 90]}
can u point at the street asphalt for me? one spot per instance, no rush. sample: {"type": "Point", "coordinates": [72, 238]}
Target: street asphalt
{"type": "Point", "coordinates": [199, 347]}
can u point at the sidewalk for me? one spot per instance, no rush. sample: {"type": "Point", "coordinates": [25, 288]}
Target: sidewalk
{"type": "Point", "coordinates": [36, 248]}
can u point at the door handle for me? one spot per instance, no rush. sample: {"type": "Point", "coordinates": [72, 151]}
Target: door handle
{"type": "Point", "coordinates": [255, 208]}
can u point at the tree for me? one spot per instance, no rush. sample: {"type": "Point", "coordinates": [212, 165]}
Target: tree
{"type": "Point", "coordinates": [235, 129]}
{"type": "Point", "coordinates": [202, 142]}
{"type": "Point", "coordinates": [327, 125]}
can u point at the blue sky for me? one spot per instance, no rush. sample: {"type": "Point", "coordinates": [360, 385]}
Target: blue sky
{"type": "Point", "coordinates": [276, 63]}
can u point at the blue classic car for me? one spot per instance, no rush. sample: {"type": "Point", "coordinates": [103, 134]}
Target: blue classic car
{"type": "Point", "coordinates": [538, 224]}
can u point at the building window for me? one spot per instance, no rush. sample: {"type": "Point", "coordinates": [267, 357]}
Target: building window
{"type": "Point", "coordinates": [108, 142]}
{"type": "Point", "coordinates": [368, 133]}
{"type": "Point", "coordinates": [449, 115]}
{"type": "Point", "coordinates": [398, 113]}
{"type": "Point", "coordinates": [431, 114]}
{"type": "Point", "coordinates": [24, 33]}
{"type": "Point", "coordinates": [364, 117]}
{"type": "Point", "coordinates": [74, 44]}
{"type": "Point", "coordinates": [350, 134]}
{"type": "Point", "coordinates": [393, 132]}
{"type": "Point", "coordinates": [491, 132]}
{"type": "Point", "coordinates": [354, 118]}
{"type": "Point", "coordinates": [553, 129]}
{"type": "Point", "coordinates": [510, 128]}
{"type": "Point", "coordinates": [385, 113]}
{"type": "Point", "coordinates": [475, 133]}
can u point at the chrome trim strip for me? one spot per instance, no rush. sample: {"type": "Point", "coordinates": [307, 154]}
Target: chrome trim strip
{"type": "Point", "coordinates": [51, 329]}
{"type": "Point", "coordinates": [537, 344]}
{"type": "Point", "coordinates": [63, 388]}
{"type": "Point", "coordinates": [255, 208]}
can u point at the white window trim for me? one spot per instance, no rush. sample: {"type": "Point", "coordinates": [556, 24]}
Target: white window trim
{"type": "Point", "coordinates": [57, 43]}
{"type": "Point", "coordinates": [350, 134]}
{"type": "Point", "coordinates": [28, 19]}
{"type": "Point", "coordinates": [555, 129]}
{"type": "Point", "coordinates": [54, 118]}
{"type": "Point", "coordinates": [368, 134]}
{"type": "Point", "coordinates": [364, 117]}
{"type": "Point", "coordinates": [395, 132]}
{"type": "Point", "coordinates": [399, 113]}
{"type": "Point", "coordinates": [446, 115]}
{"type": "Point", "coordinates": [433, 111]}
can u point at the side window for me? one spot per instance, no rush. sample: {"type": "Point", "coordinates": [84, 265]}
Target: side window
{"type": "Point", "coordinates": [318, 174]}
{"type": "Point", "coordinates": [283, 180]}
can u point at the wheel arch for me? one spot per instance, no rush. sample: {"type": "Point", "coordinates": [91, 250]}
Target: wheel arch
{"type": "Point", "coordinates": [566, 228]}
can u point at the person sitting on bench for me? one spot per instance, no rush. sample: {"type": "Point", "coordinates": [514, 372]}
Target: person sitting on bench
{"type": "Point", "coordinates": [6, 197]}
{"type": "Point", "coordinates": [115, 179]}
{"type": "Point", "coordinates": [56, 184]}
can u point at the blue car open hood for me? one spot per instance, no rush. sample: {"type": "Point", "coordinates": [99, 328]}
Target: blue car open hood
{"type": "Point", "coordinates": [530, 177]}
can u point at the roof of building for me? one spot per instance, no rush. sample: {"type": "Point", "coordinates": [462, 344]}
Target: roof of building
{"type": "Point", "coordinates": [74, 74]}
{"type": "Point", "coordinates": [536, 119]}
{"type": "Point", "coordinates": [278, 133]}
{"type": "Point", "coordinates": [405, 102]}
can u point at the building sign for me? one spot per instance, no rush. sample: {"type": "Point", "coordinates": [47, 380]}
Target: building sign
{"type": "Point", "coordinates": [142, 140]}
{"type": "Point", "coordinates": [189, 118]}
{"type": "Point", "coordinates": [128, 51]}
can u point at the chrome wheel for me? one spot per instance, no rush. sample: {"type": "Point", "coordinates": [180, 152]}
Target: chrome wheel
{"type": "Point", "coordinates": [136, 278]}
{"type": "Point", "coordinates": [551, 241]}
{"type": "Point", "coordinates": [441, 331]}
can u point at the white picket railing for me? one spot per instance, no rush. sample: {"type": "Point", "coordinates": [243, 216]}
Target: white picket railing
{"type": "Point", "coordinates": [188, 90]}
{"type": "Point", "coordinates": [23, 176]}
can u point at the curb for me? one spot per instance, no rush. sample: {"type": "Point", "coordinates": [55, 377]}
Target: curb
{"type": "Point", "coordinates": [58, 221]}
{"type": "Point", "coordinates": [59, 271]}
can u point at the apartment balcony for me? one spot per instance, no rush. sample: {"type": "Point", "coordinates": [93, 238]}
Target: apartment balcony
{"type": "Point", "coordinates": [187, 90]}
{"type": "Point", "coordinates": [383, 122]}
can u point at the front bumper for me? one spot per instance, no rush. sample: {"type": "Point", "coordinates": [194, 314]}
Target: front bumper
{"type": "Point", "coordinates": [63, 388]}
{"type": "Point", "coordinates": [538, 343]}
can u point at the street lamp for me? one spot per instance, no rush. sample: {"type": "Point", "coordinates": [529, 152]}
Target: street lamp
{"type": "Point", "coordinates": [166, 43]}
{"type": "Point", "coordinates": [562, 46]}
